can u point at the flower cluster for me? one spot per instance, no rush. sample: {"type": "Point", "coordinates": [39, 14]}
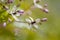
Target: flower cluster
{"type": "Point", "coordinates": [16, 12]}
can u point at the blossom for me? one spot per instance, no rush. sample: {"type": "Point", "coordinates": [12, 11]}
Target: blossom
{"type": "Point", "coordinates": [28, 23]}
{"type": "Point", "coordinates": [32, 23]}
{"type": "Point", "coordinates": [11, 12]}
{"type": "Point", "coordinates": [14, 13]}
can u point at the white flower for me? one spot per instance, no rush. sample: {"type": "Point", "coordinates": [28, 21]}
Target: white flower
{"type": "Point", "coordinates": [13, 10]}
{"type": "Point", "coordinates": [27, 24]}
{"type": "Point", "coordinates": [32, 23]}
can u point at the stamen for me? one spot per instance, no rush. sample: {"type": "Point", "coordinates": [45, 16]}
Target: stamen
{"type": "Point", "coordinates": [43, 19]}
{"type": "Point", "coordinates": [20, 11]}
{"type": "Point", "coordinates": [46, 10]}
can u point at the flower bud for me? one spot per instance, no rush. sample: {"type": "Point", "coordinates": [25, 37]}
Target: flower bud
{"type": "Point", "coordinates": [46, 10]}
{"type": "Point", "coordinates": [43, 19]}
{"type": "Point", "coordinates": [20, 11]}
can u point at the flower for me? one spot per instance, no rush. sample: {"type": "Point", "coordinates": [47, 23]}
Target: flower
{"type": "Point", "coordinates": [14, 13]}
{"type": "Point", "coordinates": [32, 23]}
{"type": "Point", "coordinates": [29, 23]}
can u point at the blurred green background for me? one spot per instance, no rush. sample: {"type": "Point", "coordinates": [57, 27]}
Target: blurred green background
{"type": "Point", "coordinates": [49, 30]}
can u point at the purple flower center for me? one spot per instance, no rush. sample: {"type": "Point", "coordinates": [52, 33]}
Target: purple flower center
{"type": "Point", "coordinates": [21, 12]}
